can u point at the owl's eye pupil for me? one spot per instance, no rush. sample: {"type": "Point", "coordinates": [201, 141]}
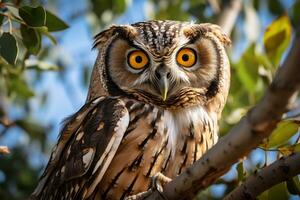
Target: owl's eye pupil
{"type": "Point", "coordinates": [185, 57]}
{"type": "Point", "coordinates": [138, 59]}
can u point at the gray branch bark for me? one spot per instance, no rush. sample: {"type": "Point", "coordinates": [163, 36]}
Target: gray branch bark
{"type": "Point", "coordinates": [277, 172]}
{"type": "Point", "coordinates": [246, 135]}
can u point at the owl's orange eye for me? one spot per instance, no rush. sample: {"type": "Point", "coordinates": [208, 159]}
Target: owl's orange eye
{"type": "Point", "coordinates": [137, 59]}
{"type": "Point", "coordinates": [186, 57]}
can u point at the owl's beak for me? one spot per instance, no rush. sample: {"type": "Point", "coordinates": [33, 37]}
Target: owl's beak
{"type": "Point", "coordinates": [164, 87]}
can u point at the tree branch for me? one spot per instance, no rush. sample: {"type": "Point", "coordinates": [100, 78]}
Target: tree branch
{"type": "Point", "coordinates": [246, 135]}
{"type": "Point", "coordinates": [280, 170]}
{"type": "Point", "coordinates": [229, 15]}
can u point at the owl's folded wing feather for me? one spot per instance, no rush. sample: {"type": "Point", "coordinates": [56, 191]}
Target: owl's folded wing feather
{"type": "Point", "coordinates": [87, 144]}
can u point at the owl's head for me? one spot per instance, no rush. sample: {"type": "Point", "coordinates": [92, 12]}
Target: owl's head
{"type": "Point", "coordinates": [165, 63]}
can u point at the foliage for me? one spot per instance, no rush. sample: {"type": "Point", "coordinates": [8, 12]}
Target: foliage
{"type": "Point", "coordinates": [24, 57]}
{"type": "Point", "coordinates": [23, 29]}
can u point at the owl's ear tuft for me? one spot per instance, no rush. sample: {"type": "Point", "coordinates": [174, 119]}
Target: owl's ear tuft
{"type": "Point", "coordinates": [196, 30]}
{"type": "Point", "coordinates": [218, 32]}
{"type": "Point", "coordinates": [125, 31]}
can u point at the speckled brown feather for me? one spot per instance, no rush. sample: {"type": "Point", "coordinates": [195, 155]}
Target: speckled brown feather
{"type": "Point", "coordinates": [143, 152]}
{"type": "Point", "coordinates": [126, 134]}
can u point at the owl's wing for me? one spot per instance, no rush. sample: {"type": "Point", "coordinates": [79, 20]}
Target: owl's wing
{"type": "Point", "coordinates": [87, 144]}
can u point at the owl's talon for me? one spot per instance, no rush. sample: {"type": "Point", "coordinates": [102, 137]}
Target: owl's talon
{"type": "Point", "coordinates": [158, 181]}
{"type": "Point", "coordinates": [139, 196]}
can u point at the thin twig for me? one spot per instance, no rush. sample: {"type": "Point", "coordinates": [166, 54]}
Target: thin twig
{"type": "Point", "coordinates": [280, 170]}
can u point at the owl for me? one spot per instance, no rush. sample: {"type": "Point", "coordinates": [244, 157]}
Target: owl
{"type": "Point", "coordinates": [157, 91]}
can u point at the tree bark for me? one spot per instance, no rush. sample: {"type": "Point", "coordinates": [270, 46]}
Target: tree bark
{"type": "Point", "coordinates": [277, 172]}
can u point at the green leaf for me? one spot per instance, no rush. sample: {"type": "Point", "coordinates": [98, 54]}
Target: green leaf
{"type": "Point", "coordinates": [296, 13]}
{"type": "Point", "coordinates": [278, 192]}
{"type": "Point", "coordinates": [240, 171]}
{"type": "Point", "coordinates": [44, 31]}
{"type": "Point", "coordinates": [283, 132]}
{"type": "Point", "coordinates": [8, 48]}
{"type": "Point", "coordinates": [19, 87]}
{"type": "Point", "coordinates": [34, 17]}
{"type": "Point", "coordinates": [31, 39]}
{"type": "Point", "coordinates": [54, 23]}
{"type": "Point", "coordinates": [277, 38]}
{"type": "Point", "coordinates": [1, 19]}
{"type": "Point", "coordinates": [35, 129]}
{"type": "Point", "coordinates": [275, 7]}
{"type": "Point", "coordinates": [293, 185]}
{"type": "Point", "coordinates": [264, 195]}
{"type": "Point", "coordinates": [247, 69]}
{"type": "Point", "coordinates": [297, 147]}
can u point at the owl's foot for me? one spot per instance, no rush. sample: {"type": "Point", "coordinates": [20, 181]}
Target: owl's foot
{"type": "Point", "coordinates": [140, 196]}
{"type": "Point", "coordinates": [157, 183]}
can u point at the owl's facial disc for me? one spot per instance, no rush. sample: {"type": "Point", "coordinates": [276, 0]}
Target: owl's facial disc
{"type": "Point", "coordinates": [162, 61]}
{"type": "Point", "coordinates": [134, 67]}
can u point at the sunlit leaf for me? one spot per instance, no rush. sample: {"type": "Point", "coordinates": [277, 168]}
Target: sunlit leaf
{"type": "Point", "coordinates": [283, 132]}
{"type": "Point", "coordinates": [8, 48]}
{"type": "Point", "coordinates": [44, 31]}
{"type": "Point", "coordinates": [14, 11]}
{"type": "Point", "coordinates": [276, 38]}
{"type": "Point", "coordinates": [40, 65]}
{"type": "Point", "coordinates": [53, 23]}
{"type": "Point", "coordinates": [35, 17]}
{"type": "Point", "coordinates": [31, 39]}
{"type": "Point", "coordinates": [293, 185]}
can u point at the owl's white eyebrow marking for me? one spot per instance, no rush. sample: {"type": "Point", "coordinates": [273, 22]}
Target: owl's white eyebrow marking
{"type": "Point", "coordinates": [142, 79]}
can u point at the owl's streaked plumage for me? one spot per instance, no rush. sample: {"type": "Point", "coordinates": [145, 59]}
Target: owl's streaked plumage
{"type": "Point", "coordinates": [156, 93]}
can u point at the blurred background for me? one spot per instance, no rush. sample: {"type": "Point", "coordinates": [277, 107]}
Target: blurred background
{"type": "Point", "coordinates": [45, 68]}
